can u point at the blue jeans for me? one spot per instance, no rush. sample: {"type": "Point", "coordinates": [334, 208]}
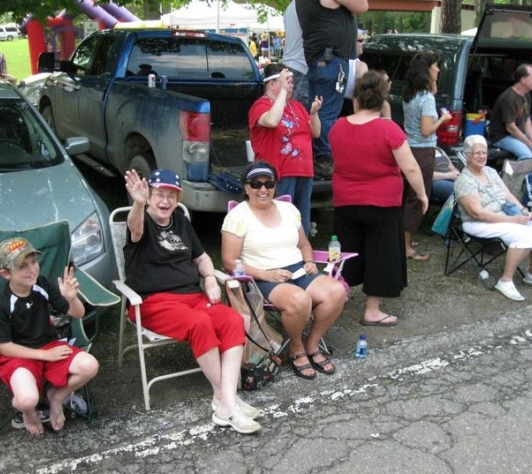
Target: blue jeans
{"type": "Point", "coordinates": [514, 146]}
{"type": "Point", "coordinates": [300, 189]}
{"type": "Point", "coordinates": [322, 76]}
{"type": "Point", "coordinates": [441, 190]}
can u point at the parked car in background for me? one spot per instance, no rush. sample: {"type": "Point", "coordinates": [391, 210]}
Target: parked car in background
{"type": "Point", "coordinates": [9, 33]}
{"type": "Point", "coordinates": [473, 71]}
{"type": "Point", "coordinates": [39, 184]}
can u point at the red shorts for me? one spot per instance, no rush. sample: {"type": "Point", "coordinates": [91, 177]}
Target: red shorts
{"type": "Point", "coordinates": [192, 318]}
{"type": "Point", "coordinates": [55, 372]}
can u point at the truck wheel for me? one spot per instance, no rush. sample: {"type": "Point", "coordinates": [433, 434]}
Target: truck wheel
{"type": "Point", "coordinates": [48, 116]}
{"type": "Point", "coordinates": [143, 165]}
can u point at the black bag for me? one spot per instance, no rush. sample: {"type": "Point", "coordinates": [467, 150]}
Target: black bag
{"type": "Point", "coordinates": [260, 361]}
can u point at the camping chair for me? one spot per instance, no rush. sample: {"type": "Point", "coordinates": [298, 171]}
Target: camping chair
{"type": "Point", "coordinates": [320, 258]}
{"type": "Point", "coordinates": [145, 339]}
{"type": "Point", "coordinates": [464, 248]}
{"type": "Point", "coordinates": [54, 241]}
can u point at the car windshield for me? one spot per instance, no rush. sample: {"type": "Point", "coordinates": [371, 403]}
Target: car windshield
{"type": "Point", "coordinates": [24, 142]}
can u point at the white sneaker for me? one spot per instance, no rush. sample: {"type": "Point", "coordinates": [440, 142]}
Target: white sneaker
{"type": "Point", "coordinates": [527, 280]}
{"type": "Point", "coordinates": [243, 407]}
{"type": "Point", "coordinates": [508, 289]}
{"type": "Point", "coordinates": [237, 421]}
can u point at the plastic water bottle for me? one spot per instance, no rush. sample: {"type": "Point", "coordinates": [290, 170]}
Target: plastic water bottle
{"type": "Point", "coordinates": [483, 275]}
{"type": "Point", "coordinates": [335, 249]}
{"type": "Point", "coordinates": [361, 350]}
{"type": "Point", "coordinates": [239, 268]}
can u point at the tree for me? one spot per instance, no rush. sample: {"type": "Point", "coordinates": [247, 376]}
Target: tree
{"type": "Point", "coordinates": [450, 21]}
{"type": "Point", "coordinates": [46, 8]}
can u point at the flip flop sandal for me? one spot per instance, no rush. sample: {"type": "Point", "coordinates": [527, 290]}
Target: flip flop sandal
{"type": "Point", "coordinates": [320, 366]}
{"type": "Point", "coordinates": [298, 369]}
{"type": "Point", "coordinates": [380, 322]}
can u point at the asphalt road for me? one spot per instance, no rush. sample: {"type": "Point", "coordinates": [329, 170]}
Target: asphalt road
{"type": "Point", "coordinates": [447, 390]}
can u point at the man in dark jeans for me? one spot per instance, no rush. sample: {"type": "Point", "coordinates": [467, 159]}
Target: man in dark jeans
{"type": "Point", "coordinates": [329, 35]}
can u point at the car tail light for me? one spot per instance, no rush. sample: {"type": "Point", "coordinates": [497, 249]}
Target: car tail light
{"type": "Point", "coordinates": [195, 131]}
{"type": "Point", "coordinates": [449, 133]}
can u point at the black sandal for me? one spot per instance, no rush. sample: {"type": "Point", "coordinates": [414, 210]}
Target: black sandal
{"type": "Point", "coordinates": [320, 366]}
{"type": "Point", "coordinates": [298, 369]}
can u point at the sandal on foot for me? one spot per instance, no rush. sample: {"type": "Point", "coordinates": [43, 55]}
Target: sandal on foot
{"type": "Point", "coordinates": [380, 322]}
{"type": "Point", "coordinates": [298, 369]}
{"type": "Point", "coordinates": [320, 366]}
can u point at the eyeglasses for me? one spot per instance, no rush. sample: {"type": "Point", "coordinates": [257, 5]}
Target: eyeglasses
{"type": "Point", "coordinates": [256, 184]}
{"type": "Point", "coordinates": [160, 195]}
{"type": "Point", "coordinates": [478, 153]}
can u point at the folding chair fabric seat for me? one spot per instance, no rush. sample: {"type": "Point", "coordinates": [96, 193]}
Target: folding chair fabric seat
{"type": "Point", "coordinates": [145, 339]}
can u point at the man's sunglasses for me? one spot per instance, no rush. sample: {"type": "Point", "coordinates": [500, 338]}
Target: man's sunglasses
{"type": "Point", "coordinates": [256, 184]}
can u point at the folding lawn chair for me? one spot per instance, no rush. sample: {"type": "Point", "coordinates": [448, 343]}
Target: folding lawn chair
{"type": "Point", "coordinates": [54, 241]}
{"type": "Point", "coordinates": [464, 248]}
{"type": "Point", "coordinates": [145, 339]}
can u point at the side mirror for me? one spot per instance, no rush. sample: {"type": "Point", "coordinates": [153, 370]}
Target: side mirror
{"type": "Point", "coordinates": [46, 62]}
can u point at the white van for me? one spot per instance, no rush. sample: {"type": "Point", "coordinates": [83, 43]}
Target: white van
{"type": "Point", "coordinates": [8, 33]}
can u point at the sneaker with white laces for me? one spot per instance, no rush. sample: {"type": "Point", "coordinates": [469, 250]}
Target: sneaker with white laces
{"type": "Point", "coordinates": [242, 406]}
{"type": "Point", "coordinates": [237, 421]}
{"type": "Point", "coordinates": [527, 280]}
{"type": "Point", "coordinates": [508, 289]}
{"type": "Point", "coordinates": [17, 421]}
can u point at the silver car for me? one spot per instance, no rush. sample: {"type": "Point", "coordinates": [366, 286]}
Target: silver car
{"type": "Point", "coordinates": [40, 184]}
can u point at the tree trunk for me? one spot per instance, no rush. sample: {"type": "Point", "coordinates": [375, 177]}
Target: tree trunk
{"type": "Point", "coordinates": [450, 21]}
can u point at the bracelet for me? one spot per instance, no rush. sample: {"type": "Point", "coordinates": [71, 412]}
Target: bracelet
{"type": "Point", "coordinates": [209, 275]}
{"type": "Point", "coordinates": [308, 261]}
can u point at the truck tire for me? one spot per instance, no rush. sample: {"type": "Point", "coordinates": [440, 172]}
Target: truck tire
{"type": "Point", "coordinates": [48, 116]}
{"type": "Point", "coordinates": [143, 165]}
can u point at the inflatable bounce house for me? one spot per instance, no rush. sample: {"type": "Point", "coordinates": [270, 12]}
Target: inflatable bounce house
{"type": "Point", "coordinates": [59, 33]}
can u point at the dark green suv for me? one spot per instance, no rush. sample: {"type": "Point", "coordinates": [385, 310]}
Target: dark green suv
{"type": "Point", "coordinates": [473, 71]}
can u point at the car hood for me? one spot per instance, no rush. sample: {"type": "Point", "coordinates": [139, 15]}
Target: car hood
{"type": "Point", "coordinates": [31, 198]}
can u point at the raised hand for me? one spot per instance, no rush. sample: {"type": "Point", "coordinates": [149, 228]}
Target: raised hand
{"type": "Point", "coordinates": [68, 285]}
{"type": "Point", "coordinates": [136, 187]}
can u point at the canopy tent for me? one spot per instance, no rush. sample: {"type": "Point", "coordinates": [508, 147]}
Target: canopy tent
{"type": "Point", "coordinates": [200, 15]}
{"type": "Point", "coordinates": [470, 32]}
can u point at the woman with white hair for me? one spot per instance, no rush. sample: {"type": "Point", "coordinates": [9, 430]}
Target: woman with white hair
{"type": "Point", "coordinates": [481, 194]}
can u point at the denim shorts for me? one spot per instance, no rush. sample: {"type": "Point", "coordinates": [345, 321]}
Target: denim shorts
{"type": "Point", "coordinates": [303, 282]}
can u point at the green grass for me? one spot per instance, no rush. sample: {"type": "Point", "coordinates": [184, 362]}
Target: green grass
{"type": "Point", "coordinates": [17, 56]}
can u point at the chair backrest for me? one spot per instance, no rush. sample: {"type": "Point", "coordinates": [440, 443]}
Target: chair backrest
{"type": "Point", "coordinates": [118, 226]}
{"type": "Point", "coordinates": [53, 240]}
{"type": "Point", "coordinates": [284, 197]}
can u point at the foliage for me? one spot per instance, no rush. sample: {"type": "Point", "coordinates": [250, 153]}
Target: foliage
{"type": "Point", "coordinates": [16, 10]}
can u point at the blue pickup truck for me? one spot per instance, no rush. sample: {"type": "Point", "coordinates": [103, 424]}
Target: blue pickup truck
{"type": "Point", "coordinates": [193, 121]}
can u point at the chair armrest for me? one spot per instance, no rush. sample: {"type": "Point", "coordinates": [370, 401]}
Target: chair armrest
{"type": "Point", "coordinates": [221, 277]}
{"type": "Point", "coordinates": [133, 297]}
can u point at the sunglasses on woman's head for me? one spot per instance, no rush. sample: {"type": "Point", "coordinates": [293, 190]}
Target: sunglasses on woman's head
{"type": "Point", "coordinates": [256, 184]}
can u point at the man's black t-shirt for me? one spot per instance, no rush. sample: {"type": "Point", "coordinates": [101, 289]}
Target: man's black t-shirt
{"type": "Point", "coordinates": [162, 260]}
{"type": "Point", "coordinates": [326, 28]}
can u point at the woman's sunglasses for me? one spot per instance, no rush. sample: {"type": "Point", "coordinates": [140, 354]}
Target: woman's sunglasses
{"type": "Point", "coordinates": [256, 184]}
